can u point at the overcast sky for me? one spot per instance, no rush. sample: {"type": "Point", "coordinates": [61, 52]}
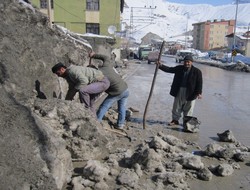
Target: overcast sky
{"type": "Point", "coordinates": [210, 2]}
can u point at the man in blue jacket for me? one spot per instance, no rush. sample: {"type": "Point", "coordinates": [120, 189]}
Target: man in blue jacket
{"type": "Point", "coordinates": [186, 88]}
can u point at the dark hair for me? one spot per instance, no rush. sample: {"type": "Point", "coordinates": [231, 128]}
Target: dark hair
{"type": "Point", "coordinates": [58, 66]}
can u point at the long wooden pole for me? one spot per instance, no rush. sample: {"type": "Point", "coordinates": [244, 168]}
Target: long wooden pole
{"type": "Point", "coordinates": [152, 86]}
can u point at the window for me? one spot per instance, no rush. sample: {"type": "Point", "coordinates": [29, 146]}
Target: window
{"type": "Point", "coordinates": [92, 5]}
{"type": "Point", "coordinates": [92, 28]}
{"type": "Point", "coordinates": [43, 4]}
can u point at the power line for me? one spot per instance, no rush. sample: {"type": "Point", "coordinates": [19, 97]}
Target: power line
{"type": "Point", "coordinates": [138, 19]}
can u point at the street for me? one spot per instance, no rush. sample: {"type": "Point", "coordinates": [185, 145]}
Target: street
{"type": "Point", "coordinates": [225, 103]}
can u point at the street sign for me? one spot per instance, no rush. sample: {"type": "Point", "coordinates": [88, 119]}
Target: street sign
{"type": "Point", "coordinates": [234, 52]}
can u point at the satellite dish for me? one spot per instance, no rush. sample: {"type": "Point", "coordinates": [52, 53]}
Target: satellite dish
{"type": "Point", "coordinates": [111, 29]}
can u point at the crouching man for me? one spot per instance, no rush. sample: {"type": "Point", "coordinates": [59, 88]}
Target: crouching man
{"type": "Point", "coordinates": [89, 82]}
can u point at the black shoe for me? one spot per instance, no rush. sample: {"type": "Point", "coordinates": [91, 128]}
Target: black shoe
{"type": "Point", "coordinates": [173, 122]}
{"type": "Point", "coordinates": [121, 127]}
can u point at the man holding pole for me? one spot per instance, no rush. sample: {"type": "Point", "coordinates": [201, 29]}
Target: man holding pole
{"type": "Point", "coordinates": [186, 87]}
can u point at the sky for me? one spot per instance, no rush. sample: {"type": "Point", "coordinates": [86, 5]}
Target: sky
{"type": "Point", "coordinates": [210, 2]}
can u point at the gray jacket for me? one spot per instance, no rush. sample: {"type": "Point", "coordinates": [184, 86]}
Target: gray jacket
{"type": "Point", "coordinates": [78, 77]}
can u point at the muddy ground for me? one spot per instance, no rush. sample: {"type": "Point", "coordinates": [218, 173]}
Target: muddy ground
{"type": "Point", "coordinates": [210, 110]}
{"type": "Point", "coordinates": [49, 143]}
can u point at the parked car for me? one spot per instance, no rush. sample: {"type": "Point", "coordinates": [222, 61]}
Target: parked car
{"type": "Point", "coordinates": [179, 57]}
{"type": "Point", "coordinates": [153, 56]}
{"type": "Point", "coordinates": [216, 55]}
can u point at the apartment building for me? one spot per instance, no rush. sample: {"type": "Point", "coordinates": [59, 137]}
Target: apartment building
{"type": "Point", "coordinates": [212, 34]}
{"type": "Point", "coordinates": [85, 16]}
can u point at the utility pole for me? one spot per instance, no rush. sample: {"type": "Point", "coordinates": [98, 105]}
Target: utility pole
{"type": "Point", "coordinates": [49, 12]}
{"type": "Point", "coordinates": [140, 18]}
{"type": "Point", "coordinates": [234, 37]}
{"type": "Point", "coordinates": [246, 53]}
{"type": "Point", "coordinates": [186, 32]}
{"type": "Point", "coordinates": [186, 29]}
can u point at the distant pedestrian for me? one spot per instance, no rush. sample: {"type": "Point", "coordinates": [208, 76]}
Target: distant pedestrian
{"type": "Point", "coordinates": [113, 56]}
{"type": "Point", "coordinates": [27, 1]}
{"type": "Point", "coordinates": [117, 91]}
{"type": "Point", "coordinates": [186, 87]}
{"type": "Point", "coordinates": [89, 82]}
{"type": "Point", "coordinates": [113, 59]}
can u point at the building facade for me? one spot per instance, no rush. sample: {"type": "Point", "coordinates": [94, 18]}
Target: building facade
{"type": "Point", "coordinates": [240, 42]}
{"type": "Point", "coordinates": [212, 34]}
{"type": "Point", "coordinates": [85, 16]}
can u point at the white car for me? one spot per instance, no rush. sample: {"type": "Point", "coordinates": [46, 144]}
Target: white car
{"type": "Point", "coordinates": [179, 57]}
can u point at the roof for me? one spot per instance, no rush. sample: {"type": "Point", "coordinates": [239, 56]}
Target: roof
{"type": "Point", "coordinates": [242, 37]}
{"type": "Point", "coordinates": [230, 35]}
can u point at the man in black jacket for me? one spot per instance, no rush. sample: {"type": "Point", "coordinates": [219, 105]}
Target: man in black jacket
{"type": "Point", "coordinates": [186, 87]}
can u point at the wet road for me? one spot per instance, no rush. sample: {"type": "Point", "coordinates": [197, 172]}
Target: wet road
{"type": "Point", "coordinates": [225, 103]}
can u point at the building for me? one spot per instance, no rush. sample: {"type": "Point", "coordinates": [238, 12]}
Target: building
{"type": "Point", "coordinates": [151, 39]}
{"type": "Point", "coordinates": [85, 16]}
{"type": "Point", "coordinates": [240, 42]}
{"type": "Point", "coordinates": [212, 34]}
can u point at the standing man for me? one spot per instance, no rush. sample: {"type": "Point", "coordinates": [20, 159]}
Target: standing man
{"type": "Point", "coordinates": [89, 82]}
{"type": "Point", "coordinates": [186, 87]}
{"type": "Point", "coordinates": [117, 91]}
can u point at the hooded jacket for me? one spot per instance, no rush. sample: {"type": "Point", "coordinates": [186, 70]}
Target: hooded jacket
{"type": "Point", "coordinates": [117, 84]}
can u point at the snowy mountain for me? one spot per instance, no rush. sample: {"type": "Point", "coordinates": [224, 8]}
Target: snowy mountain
{"type": "Point", "coordinates": [172, 20]}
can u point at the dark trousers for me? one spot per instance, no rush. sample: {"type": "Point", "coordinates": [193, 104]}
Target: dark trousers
{"type": "Point", "coordinates": [91, 92]}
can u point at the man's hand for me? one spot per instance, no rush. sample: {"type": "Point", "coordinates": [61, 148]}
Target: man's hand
{"type": "Point", "coordinates": [199, 96]}
{"type": "Point", "coordinates": [91, 54]}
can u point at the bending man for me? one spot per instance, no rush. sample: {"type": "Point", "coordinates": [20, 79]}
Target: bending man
{"type": "Point", "coordinates": [89, 82]}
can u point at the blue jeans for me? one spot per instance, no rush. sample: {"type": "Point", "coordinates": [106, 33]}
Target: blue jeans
{"type": "Point", "coordinates": [108, 102]}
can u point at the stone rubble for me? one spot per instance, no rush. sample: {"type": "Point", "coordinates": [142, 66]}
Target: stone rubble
{"type": "Point", "coordinates": [44, 137]}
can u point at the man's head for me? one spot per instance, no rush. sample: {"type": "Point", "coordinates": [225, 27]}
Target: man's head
{"type": "Point", "coordinates": [188, 60]}
{"type": "Point", "coordinates": [59, 69]}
